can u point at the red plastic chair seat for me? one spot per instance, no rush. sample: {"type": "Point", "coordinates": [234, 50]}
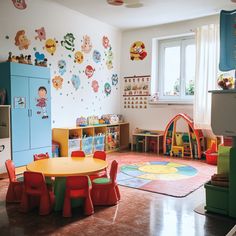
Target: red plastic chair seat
{"type": "Point", "coordinates": [41, 156]}
{"type": "Point", "coordinates": [78, 153]}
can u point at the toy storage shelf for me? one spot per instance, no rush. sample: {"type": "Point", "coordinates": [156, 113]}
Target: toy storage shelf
{"type": "Point", "coordinates": [114, 136]}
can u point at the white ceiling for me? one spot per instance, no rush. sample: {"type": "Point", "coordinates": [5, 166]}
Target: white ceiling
{"type": "Point", "coordinates": [153, 12]}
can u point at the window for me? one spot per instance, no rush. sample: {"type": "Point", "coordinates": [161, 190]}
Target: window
{"type": "Point", "coordinates": [176, 73]}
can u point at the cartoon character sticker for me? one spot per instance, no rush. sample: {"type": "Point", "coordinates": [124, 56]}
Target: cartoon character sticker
{"type": "Point", "coordinates": [62, 67]}
{"type": "Point", "coordinates": [57, 82]}
{"type": "Point", "coordinates": [75, 81]}
{"type": "Point", "coordinates": [19, 4]}
{"type": "Point", "coordinates": [42, 102]}
{"type": "Point", "coordinates": [95, 86]}
{"type": "Point", "coordinates": [51, 46]}
{"type": "Point", "coordinates": [41, 34]}
{"type": "Point", "coordinates": [137, 51]}
{"type": "Point", "coordinates": [21, 40]}
{"type": "Point", "coordinates": [79, 57]}
{"type": "Point", "coordinates": [114, 79]}
{"type": "Point", "coordinates": [89, 70]}
{"type": "Point", "coordinates": [105, 42]}
{"type": "Point", "coordinates": [96, 56]}
{"type": "Point", "coordinates": [87, 45]}
{"type": "Point", "coordinates": [68, 42]}
{"type": "Point", "coordinates": [107, 89]}
{"type": "Point", "coordinates": [109, 56]}
{"type": "Point", "coordinates": [39, 56]}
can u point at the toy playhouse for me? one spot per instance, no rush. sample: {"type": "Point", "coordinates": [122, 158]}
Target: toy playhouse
{"type": "Point", "coordinates": [189, 144]}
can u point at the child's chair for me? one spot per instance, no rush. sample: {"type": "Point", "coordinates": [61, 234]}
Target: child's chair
{"type": "Point", "coordinates": [77, 187]}
{"type": "Point", "coordinates": [15, 187]}
{"type": "Point", "coordinates": [140, 144]}
{"type": "Point", "coordinates": [36, 193]}
{"type": "Point", "coordinates": [41, 156]}
{"type": "Point", "coordinates": [78, 153]}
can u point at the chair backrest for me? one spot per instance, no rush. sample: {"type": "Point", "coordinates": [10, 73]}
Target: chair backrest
{"type": "Point", "coordinates": [77, 153]}
{"type": "Point", "coordinates": [113, 171]}
{"type": "Point", "coordinates": [100, 155]}
{"type": "Point", "coordinates": [77, 182]}
{"type": "Point", "coordinates": [41, 156]}
{"type": "Point", "coordinates": [34, 183]}
{"type": "Point", "coordinates": [10, 170]}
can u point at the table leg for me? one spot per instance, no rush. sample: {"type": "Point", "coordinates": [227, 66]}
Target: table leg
{"type": "Point", "coordinates": [158, 145]}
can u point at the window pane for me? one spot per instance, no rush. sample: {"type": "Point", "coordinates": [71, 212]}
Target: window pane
{"type": "Point", "coordinates": [172, 71]}
{"type": "Point", "coordinates": [190, 58]}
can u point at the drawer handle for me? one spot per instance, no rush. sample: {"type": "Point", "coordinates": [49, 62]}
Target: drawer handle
{"type": "Point", "coordinates": [2, 147]}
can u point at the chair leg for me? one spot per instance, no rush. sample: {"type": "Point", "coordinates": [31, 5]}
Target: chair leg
{"type": "Point", "coordinates": [88, 206]}
{"type": "Point", "coordinates": [67, 207]}
{"type": "Point", "coordinates": [45, 206]}
{"type": "Point", "coordinates": [25, 204]}
{"type": "Point", "coordinates": [112, 197]}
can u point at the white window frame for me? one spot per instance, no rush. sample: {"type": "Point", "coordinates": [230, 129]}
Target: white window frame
{"type": "Point", "coordinates": [157, 85]}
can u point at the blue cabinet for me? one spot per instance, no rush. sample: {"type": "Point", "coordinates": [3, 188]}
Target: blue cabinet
{"type": "Point", "coordinates": [28, 93]}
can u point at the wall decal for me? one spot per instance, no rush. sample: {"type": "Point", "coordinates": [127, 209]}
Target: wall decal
{"type": "Point", "coordinates": [57, 82]}
{"type": "Point", "coordinates": [107, 89]}
{"type": "Point", "coordinates": [62, 67]}
{"type": "Point", "coordinates": [19, 4]}
{"type": "Point", "coordinates": [95, 86]}
{"type": "Point", "coordinates": [105, 42]}
{"type": "Point", "coordinates": [89, 70]}
{"type": "Point", "coordinates": [114, 79]}
{"type": "Point", "coordinates": [21, 40]}
{"type": "Point", "coordinates": [39, 56]}
{"type": "Point", "coordinates": [19, 102]}
{"type": "Point", "coordinates": [42, 102]}
{"type": "Point", "coordinates": [79, 57]}
{"type": "Point", "coordinates": [41, 34]}
{"type": "Point", "coordinates": [109, 56]}
{"type": "Point", "coordinates": [87, 45]}
{"type": "Point", "coordinates": [75, 81]}
{"type": "Point", "coordinates": [96, 56]}
{"type": "Point", "coordinates": [68, 42]}
{"type": "Point", "coordinates": [51, 46]}
{"type": "Point", "coordinates": [137, 51]}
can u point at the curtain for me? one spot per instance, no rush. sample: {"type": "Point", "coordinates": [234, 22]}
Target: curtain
{"type": "Point", "coordinates": [207, 60]}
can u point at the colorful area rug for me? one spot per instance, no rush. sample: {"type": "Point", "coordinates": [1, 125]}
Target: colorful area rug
{"type": "Point", "coordinates": [175, 177]}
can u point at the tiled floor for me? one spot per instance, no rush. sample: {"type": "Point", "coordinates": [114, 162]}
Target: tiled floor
{"type": "Point", "coordinates": [138, 213]}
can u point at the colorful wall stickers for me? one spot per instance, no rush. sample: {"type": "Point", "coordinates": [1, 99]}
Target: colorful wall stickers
{"type": "Point", "coordinates": [79, 57]}
{"type": "Point", "coordinates": [41, 34]}
{"type": "Point", "coordinates": [89, 70]}
{"type": "Point", "coordinates": [21, 40]}
{"type": "Point", "coordinates": [68, 42]}
{"type": "Point", "coordinates": [109, 58]}
{"type": "Point", "coordinates": [107, 88]}
{"type": "Point", "coordinates": [137, 51]}
{"type": "Point", "coordinates": [75, 81]}
{"type": "Point", "coordinates": [86, 45]}
{"type": "Point", "coordinates": [19, 4]}
{"type": "Point", "coordinates": [96, 56]}
{"type": "Point", "coordinates": [105, 42]}
{"type": "Point", "coordinates": [57, 82]}
{"type": "Point", "coordinates": [95, 86]}
{"type": "Point", "coordinates": [51, 46]}
{"type": "Point", "coordinates": [62, 67]}
{"type": "Point", "coordinates": [136, 91]}
{"type": "Point", "coordinates": [42, 102]}
{"type": "Point", "coordinates": [114, 79]}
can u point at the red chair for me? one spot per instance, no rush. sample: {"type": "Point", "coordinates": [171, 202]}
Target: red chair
{"type": "Point", "coordinates": [105, 191]}
{"type": "Point", "coordinates": [77, 153]}
{"type": "Point", "coordinates": [41, 156]}
{"type": "Point", "coordinates": [77, 187]}
{"type": "Point", "coordinates": [15, 187]}
{"type": "Point", "coordinates": [36, 193]}
{"type": "Point", "coordinates": [102, 156]}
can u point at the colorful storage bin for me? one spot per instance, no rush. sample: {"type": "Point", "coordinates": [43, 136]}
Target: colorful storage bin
{"type": "Point", "coordinates": [99, 147]}
{"type": "Point", "coordinates": [73, 145]}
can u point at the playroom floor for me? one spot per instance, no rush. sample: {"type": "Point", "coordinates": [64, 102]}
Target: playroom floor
{"type": "Point", "coordinates": [138, 213]}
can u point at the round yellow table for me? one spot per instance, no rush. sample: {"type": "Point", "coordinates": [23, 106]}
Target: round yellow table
{"type": "Point", "coordinates": [67, 166]}
{"type": "Point", "coordinates": [62, 167]}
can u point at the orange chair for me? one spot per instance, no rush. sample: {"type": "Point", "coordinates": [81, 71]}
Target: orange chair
{"type": "Point", "coordinates": [36, 193]}
{"type": "Point", "coordinates": [41, 156]}
{"type": "Point", "coordinates": [105, 191]}
{"type": "Point", "coordinates": [77, 187]}
{"type": "Point", "coordinates": [102, 156]}
{"type": "Point", "coordinates": [15, 187]}
{"type": "Point", "coordinates": [77, 153]}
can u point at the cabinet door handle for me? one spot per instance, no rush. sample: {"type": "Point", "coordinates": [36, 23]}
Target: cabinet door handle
{"type": "Point", "coordinates": [2, 147]}
{"type": "Point", "coordinates": [29, 112]}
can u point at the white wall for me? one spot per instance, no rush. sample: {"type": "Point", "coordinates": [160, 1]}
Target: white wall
{"type": "Point", "coordinates": [155, 116]}
{"type": "Point", "coordinates": [67, 103]}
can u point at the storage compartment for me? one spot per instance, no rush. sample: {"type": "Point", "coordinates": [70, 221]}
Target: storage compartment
{"type": "Point", "coordinates": [73, 145]}
{"type": "Point", "coordinates": [217, 199]}
{"type": "Point", "coordinates": [88, 149]}
{"type": "Point", "coordinates": [99, 147]}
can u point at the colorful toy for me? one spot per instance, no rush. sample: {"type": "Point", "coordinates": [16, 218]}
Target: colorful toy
{"type": "Point", "coordinates": [81, 121]}
{"type": "Point", "coordinates": [192, 144]}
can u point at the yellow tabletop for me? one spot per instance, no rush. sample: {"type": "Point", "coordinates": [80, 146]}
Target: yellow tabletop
{"type": "Point", "coordinates": [67, 166]}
